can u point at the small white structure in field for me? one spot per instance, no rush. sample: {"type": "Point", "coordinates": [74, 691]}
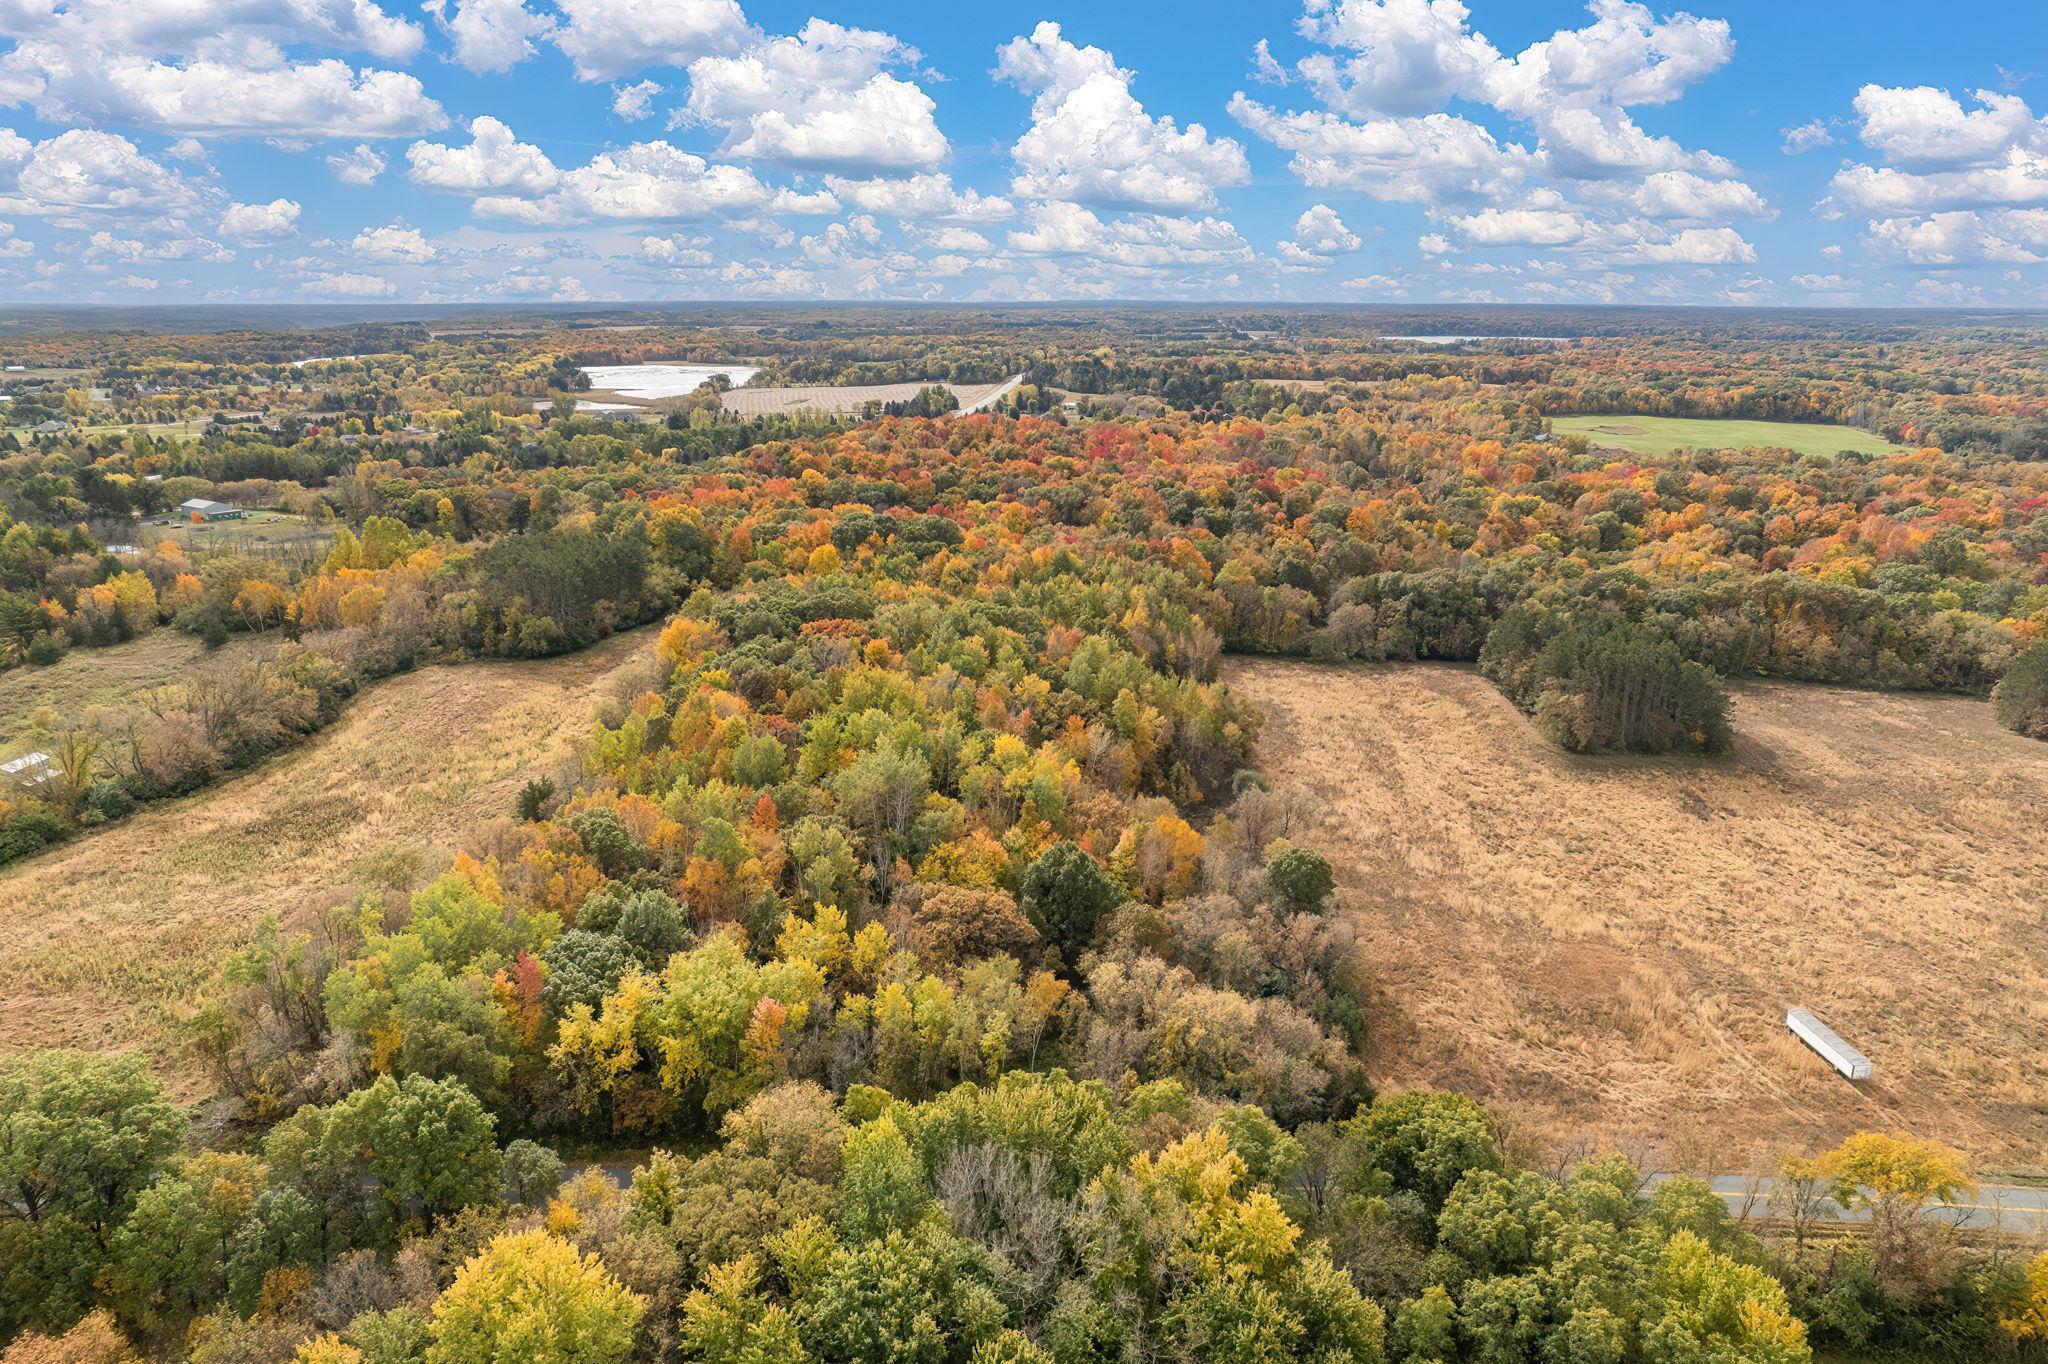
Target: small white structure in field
{"type": "Point", "coordinates": [29, 771]}
{"type": "Point", "coordinates": [1832, 1049]}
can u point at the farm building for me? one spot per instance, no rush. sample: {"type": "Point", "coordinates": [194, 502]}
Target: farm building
{"type": "Point", "coordinates": [49, 428]}
{"type": "Point", "coordinates": [207, 510]}
{"type": "Point", "coordinates": [28, 772]}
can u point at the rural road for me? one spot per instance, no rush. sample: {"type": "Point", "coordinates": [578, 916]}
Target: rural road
{"type": "Point", "coordinates": [984, 403]}
{"type": "Point", "coordinates": [1992, 1207]}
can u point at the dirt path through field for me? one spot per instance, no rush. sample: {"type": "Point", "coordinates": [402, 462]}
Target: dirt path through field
{"type": "Point", "coordinates": [1607, 947]}
{"type": "Point", "coordinates": [106, 933]}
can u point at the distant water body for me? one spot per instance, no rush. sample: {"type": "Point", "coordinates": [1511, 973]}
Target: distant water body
{"type": "Point", "coordinates": [649, 382]}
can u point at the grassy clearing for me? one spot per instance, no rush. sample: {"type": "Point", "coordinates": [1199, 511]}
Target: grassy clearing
{"type": "Point", "coordinates": [1662, 435]}
{"type": "Point", "coordinates": [1607, 947]}
{"type": "Point", "coordinates": [109, 934]}
{"type": "Point", "coordinates": [260, 532]}
{"type": "Point", "coordinates": [113, 676]}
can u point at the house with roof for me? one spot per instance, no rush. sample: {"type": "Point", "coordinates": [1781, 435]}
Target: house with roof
{"type": "Point", "coordinates": [205, 509]}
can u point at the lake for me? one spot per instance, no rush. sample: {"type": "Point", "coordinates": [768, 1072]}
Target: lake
{"type": "Point", "coordinates": [665, 379]}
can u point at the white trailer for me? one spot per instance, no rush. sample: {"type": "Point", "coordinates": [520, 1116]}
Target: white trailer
{"type": "Point", "coordinates": [1832, 1049]}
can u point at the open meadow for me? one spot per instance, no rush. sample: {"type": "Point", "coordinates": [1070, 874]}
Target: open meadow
{"type": "Point", "coordinates": [1662, 435]}
{"type": "Point", "coordinates": [109, 934]}
{"type": "Point", "coordinates": [1607, 947]}
{"type": "Point", "coordinates": [114, 676]}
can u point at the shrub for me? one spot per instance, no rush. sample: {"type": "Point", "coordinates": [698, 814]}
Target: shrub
{"type": "Point", "coordinates": [531, 1172]}
{"type": "Point", "coordinates": [2021, 699]}
{"type": "Point", "coordinates": [536, 799]}
{"type": "Point", "coordinates": [1301, 876]}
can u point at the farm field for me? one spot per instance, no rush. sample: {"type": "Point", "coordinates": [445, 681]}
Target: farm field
{"type": "Point", "coordinates": [1662, 435]}
{"type": "Point", "coordinates": [260, 532]}
{"type": "Point", "coordinates": [109, 932]}
{"type": "Point", "coordinates": [112, 676]}
{"type": "Point", "coordinates": [1607, 947]}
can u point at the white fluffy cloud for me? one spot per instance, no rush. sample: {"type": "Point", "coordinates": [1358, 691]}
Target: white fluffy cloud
{"type": "Point", "coordinates": [1682, 194]}
{"type": "Point", "coordinates": [651, 182]}
{"type": "Point", "coordinates": [2005, 236]}
{"type": "Point", "coordinates": [361, 166]}
{"type": "Point", "coordinates": [1091, 141]}
{"type": "Point", "coordinates": [261, 96]}
{"type": "Point", "coordinates": [494, 162]}
{"type": "Point", "coordinates": [348, 284]}
{"type": "Point", "coordinates": [1520, 227]}
{"type": "Point", "coordinates": [1141, 241]}
{"type": "Point", "coordinates": [396, 244]}
{"type": "Point", "coordinates": [1592, 182]}
{"type": "Point", "coordinates": [1411, 55]}
{"type": "Point", "coordinates": [84, 177]}
{"type": "Point", "coordinates": [607, 39]}
{"type": "Point", "coordinates": [921, 197]}
{"type": "Point", "coordinates": [823, 99]}
{"type": "Point", "coordinates": [1951, 186]}
{"type": "Point", "coordinates": [1320, 229]}
{"type": "Point", "coordinates": [217, 69]}
{"type": "Point", "coordinates": [636, 101]}
{"type": "Point", "coordinates": [253, 224]}
{"type": "Point", "coordinates": [1693, 246]}
{"type": "Point", "coordinates": [1920, 128]}
{"type": "Point", "coordinates": [1425, 160]}
{"type": "Point", "coordinates": [491, 35]}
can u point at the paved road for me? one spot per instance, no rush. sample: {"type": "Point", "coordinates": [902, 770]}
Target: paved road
{"type": "Point", "coordinates": [987, 401]}
{"type": "Point", "coordinates": [1993, 1207]}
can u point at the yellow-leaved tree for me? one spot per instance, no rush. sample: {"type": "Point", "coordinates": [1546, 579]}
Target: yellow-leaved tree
{"type": "Point", "coordinates": [531, 1297]}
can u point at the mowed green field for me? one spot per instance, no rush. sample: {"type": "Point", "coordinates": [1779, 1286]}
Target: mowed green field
{"type": "Point", "coordinates": [1662, 435]}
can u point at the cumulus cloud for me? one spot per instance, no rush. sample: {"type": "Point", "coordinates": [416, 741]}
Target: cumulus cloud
{"type": "Point", "coordinates": [494, 162]}
{"type": "Point", "coordinates": [651, 182]}
{"type": "Point", "coordinates": [395, 244]}
{"type": "Point", "coordinates": [607, 39]}
{"type": "Point", "coordinates": [103, 249]}
{"type": "Point", "coordinates": [636, 101]}
{"type": "Point", "coordinates": [84, 176]}
{"type": "Point", "coordinates": [1412, 55]}
{"type": "Point", "coordinates": [254, 224]}
{"type": "Point", "coordinates": [1951, 186]}
{"type": "Point", "coordinates": [1693, 246]}
{"type": "Point", "coordinates": [1806, 137]}
{"type": "Point", "coordinates": [491, 35]}
{"type": "Point", "coordinates": [1920, 128]}
{"type": "Point", "coordinates": [1320, 229]}
{"type": "Point", "coordinates": [1520, 227]}
{"type": "Point", "coordinates": [217, 69]}
{"type": "Point", "coordinates": [1423, 160]}
{"type": "Point", "coordinates": [1142, 241]}
{"type": "Point", "coordinates": [263, 96]}
{"type": "Point", "coordinates": [1682, 194]}
{"type": "Point", "coordinates": [1091, 142]}
{"type": "Point", "coordinates": [824, 99]}
{"type": "Point", "coordinates": [359, 167]}
{"type": "Point", "coordinates": [1577, 173]}
{"type": "Point", "coordinates": [1962, 237]}
{"type": "Point", "coordinates": [920, 197]}
{"type": "Point", "coordinates": [348, 284]}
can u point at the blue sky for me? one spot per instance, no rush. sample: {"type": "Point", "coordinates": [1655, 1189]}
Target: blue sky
{"type": "Point", "coordinates": [1361, 150]}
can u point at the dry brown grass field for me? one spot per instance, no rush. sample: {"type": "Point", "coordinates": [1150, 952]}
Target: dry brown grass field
{"type": "Point", "coordinates": [87, 678]}
{"type": "Point", "coordinates": [1605, 948]}
{"type": "Point", "coordinates": [108, 935]}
